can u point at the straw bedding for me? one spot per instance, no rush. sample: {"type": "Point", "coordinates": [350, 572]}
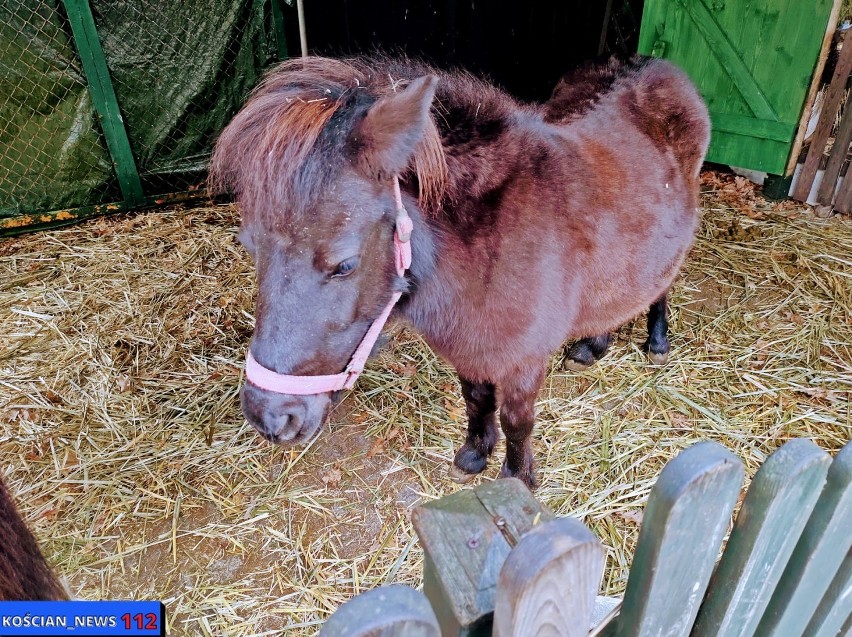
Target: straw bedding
{"type": "Point", "coordinates": [121, 350]}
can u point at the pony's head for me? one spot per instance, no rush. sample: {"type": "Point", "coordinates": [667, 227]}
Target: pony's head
{"type": "Point", "coordinates": [311, 159]}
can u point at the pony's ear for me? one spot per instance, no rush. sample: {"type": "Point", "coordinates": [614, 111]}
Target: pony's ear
{"type": "Point", "coordinates": [394, 126]}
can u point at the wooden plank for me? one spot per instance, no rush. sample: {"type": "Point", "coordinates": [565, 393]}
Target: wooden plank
{"type": "Point", "coordinates": [839, 151]}
{"type": "Point", "coordinates": [835, 606]}
{"type": "Point", "coordinates": [817, 556]}
{"type": "Point", "coordinates": [730, 60]}
{"type": "Point", "coordinates": [833, 96]}
{"type": "Point", "coordinates": [843, 201]}
{"type": "Point", "coordinates": [549, 582]}
{"type": "Point", "coordinates": [751, 127]}
{"type": "Point", "coordinates": [688, 512]}
{"type": "Point", "coordinates": [465, 544]}
{"type": "Point", "coordinates": [775, 510]}
{"type": "Point", "coordinates": [500, 499]}
{"type": "Point", "coordinates": [816, 76]}
{"type": "Point", "coordinates": [388, 611]}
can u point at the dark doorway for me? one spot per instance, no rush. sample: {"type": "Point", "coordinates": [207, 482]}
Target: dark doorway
{"type": "Point", "coordinates": [523, 46]}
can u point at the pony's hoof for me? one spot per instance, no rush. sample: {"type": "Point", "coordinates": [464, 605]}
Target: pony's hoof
{"type": "Point", "coordinates": [570, 365]}
{"type": "Point", "coordinates": [525, 475]}
{"type": "Point", "coordinates": [658, 358]}
{"type": "Point", "coordinates": [458, 476]}
{"type": "Point", "coordinates": [657, 350]}
{"type": "Point", "coordinates": [469, 461]}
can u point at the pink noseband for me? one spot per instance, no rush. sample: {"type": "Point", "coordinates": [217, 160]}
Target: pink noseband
{"type": "Point", "coordinates": [269, 380]}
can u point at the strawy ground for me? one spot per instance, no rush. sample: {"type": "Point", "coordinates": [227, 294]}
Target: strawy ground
{"type": "Point", "coordinates": [121, 353]}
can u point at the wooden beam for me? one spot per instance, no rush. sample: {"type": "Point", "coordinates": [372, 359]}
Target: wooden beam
{"type": "Point", "coordinates": [751, 127]}
{"type": "Point", "coordinates": [605, 27]}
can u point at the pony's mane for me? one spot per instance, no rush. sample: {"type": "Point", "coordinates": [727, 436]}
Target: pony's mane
{"type": "Point", "coordinates": [281, 149]}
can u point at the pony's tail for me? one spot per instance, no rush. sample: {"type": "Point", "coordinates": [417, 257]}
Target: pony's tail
{"type": "Point", "coordinates": [24, 573]}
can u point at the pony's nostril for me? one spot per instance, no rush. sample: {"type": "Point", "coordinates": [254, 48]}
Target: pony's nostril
{"type": "Point", "coordinates": [288, 427]}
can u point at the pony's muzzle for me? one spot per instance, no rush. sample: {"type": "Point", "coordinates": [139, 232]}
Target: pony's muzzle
{"type": "Point", "coordinates": [284, 418]}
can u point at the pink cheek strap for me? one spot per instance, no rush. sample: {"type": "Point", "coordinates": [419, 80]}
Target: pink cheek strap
{"type": "Point", "coordinates": [269, 380]}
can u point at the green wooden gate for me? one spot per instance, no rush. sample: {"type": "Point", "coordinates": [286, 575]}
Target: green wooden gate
{"type": "Point", "coordinates": [753, 61]}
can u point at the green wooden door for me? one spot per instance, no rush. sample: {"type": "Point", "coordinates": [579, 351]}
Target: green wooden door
{"type": "Point", "coordinates": [753, 61]}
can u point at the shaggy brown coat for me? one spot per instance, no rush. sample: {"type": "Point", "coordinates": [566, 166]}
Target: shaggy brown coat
{"type": "Point", "coordinates": [533, 224]}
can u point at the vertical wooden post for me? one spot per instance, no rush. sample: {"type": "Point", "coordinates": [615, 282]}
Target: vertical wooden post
{"type": "Point", "coordinates": [825, 194]}
{"type": "Point", "coordinates": [466, 537]}
{"type": "Point", "coordinates": [388, 611]}
{"type": "Point", "coordinates": [833, 96]}
{"type": "Point", "coordinates": [688, 512]}
{"type": "Point", "coordinates": [776, 508]}
{"type": "Point", "coordinates": [549, 582]}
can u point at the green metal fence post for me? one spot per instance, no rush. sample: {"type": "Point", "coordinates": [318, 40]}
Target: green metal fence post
{"type": "Point", "coordinates": [103, 96]}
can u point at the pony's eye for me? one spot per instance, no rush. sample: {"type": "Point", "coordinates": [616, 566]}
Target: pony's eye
{"type": "Point", "coordinates": [346, 267]}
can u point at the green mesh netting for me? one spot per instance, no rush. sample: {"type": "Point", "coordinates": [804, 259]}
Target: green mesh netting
{"type": "Point", "coordinates": [180, 70]}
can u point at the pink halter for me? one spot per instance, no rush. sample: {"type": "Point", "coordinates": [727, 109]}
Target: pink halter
{"type": "Point", "coordinates": [269, 380]}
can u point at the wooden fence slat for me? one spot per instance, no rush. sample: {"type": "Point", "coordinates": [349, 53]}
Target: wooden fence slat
{"type": "Point", "coordinates": [549, 582]}
{"type": "Point", "coordinates": [688, 512]}
{"type": "Point", "coordinates": [830, 104]}
{"type": "Point", "coordinates": [776, 509]}
{"type": "Point", "coordinates": [835, 606]}
{"type": "Point", "coordinates": [388, 611]}
{"type": "Point", "coordinates": [817, 557]}
{"type": "Point", "coordinates": [825, 194]}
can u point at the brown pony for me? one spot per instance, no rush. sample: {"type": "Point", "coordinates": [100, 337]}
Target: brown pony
{"type": "Point", "coordinates": [532, 224]}
{"type": "Point", "coordinates": [24, 573]}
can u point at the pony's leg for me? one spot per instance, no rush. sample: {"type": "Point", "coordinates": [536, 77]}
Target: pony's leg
{"type": "Point", "coordinates": [586, 352]}
{"type": "Point", "coordinates": [517, 417]}
{"type": "Point", "coordinates": [481, 406]}
{"type": "Point", "coordinates": [657, 344]}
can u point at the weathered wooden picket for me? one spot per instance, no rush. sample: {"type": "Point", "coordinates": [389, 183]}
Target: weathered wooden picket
{"type": "Point", "coordinates": [498, 563]}
{"type": "Point", "coordinates": [819, 180]}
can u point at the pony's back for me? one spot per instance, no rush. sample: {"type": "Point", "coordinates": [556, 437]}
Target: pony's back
{"type": "Point", "coordinates": [655, 95]}
{"type": "Point", "coordinates": [24, 573]}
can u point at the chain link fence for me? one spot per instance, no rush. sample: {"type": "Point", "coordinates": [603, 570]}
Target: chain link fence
{"type": "Point", "coordinates": [114, 104]}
